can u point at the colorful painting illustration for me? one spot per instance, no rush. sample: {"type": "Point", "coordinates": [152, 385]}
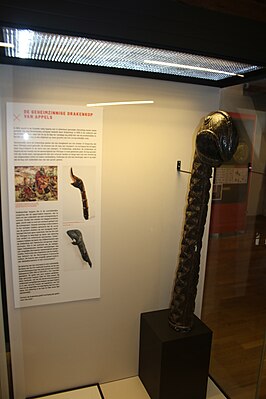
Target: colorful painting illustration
{"type": "Point", "coordinates": [36, 183]}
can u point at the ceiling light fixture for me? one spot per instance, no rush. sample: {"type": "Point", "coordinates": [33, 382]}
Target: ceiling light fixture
{"type": "Point", "coordinates": [120, 103]}
{"type": "Point", "coordinates": [113, 56]}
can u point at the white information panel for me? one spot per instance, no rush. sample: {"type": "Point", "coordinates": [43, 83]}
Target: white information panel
{"type": "Point", "coordinates": [54, 186]}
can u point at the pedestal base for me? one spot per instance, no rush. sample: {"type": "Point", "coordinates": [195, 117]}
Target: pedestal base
{"type": "Point", "coordinates": [173, 364]}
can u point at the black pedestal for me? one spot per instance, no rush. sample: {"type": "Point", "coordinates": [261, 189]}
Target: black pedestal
{"type": "Point", "coordinates": [173, 364]}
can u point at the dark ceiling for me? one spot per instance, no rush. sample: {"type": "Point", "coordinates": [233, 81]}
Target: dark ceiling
{"type": "Point", "coordinates": [234, 31]}
{"type": "Point", "coordinates": [251, 9]}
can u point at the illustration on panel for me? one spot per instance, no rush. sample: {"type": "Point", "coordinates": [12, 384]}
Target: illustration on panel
{"type": "Point", "coordinates": [36, 183]}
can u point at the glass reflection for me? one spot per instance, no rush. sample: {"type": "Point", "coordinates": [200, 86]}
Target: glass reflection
{"type": "Point", "coordinates": [234, 304]}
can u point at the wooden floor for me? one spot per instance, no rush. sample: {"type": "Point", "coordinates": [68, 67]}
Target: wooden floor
{"type": "Point", "coordinates": [234, 307]}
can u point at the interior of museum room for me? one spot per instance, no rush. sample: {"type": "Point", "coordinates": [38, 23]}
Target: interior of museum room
{"type": "Point", "coordinates": [70, 315]}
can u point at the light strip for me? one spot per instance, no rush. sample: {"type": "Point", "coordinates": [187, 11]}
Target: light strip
{"type": "Point", "coordinates": [120, 103]}
{"type": "Point", "coordinates": [8, 45]}
{"type": "Point", "coordinates": [194, 68]}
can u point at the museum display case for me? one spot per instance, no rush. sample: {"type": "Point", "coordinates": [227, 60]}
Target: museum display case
{"type": "Point", "coordinates": [89, 331]}
{"type": "Point", "coordinates": [98, 108]}
{"type": "Point", "coordinates": [136, 179]}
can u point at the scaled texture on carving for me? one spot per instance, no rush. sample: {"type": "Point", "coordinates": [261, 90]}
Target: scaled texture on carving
{"type": "Point", "coordinates": [216, 142]}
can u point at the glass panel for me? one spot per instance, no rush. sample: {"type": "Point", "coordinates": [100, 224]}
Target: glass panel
{"type": "Point", "coordinates": [59, 346]}
{"type": "Point", "coordinates": [235, 282]}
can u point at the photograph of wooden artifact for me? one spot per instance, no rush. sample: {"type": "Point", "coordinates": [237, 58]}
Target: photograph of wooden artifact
{"type": "Point", "coordinates": [77, 239]}
{"type": "Point", "coordinates": [78, 183]}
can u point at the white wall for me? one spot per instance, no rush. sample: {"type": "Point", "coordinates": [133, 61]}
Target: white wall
{"type": "Point", "coordinates": [65, 345]}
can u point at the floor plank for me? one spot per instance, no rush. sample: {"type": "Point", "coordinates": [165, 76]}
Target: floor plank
{"type": "Point", "coordinates": [82, 393]}
{"type": "Point", "coordinates": [132, 388]}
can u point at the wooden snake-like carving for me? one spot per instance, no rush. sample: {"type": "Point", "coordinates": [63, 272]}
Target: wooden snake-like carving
{"type": "Point", "coordinates": [216, 142]}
